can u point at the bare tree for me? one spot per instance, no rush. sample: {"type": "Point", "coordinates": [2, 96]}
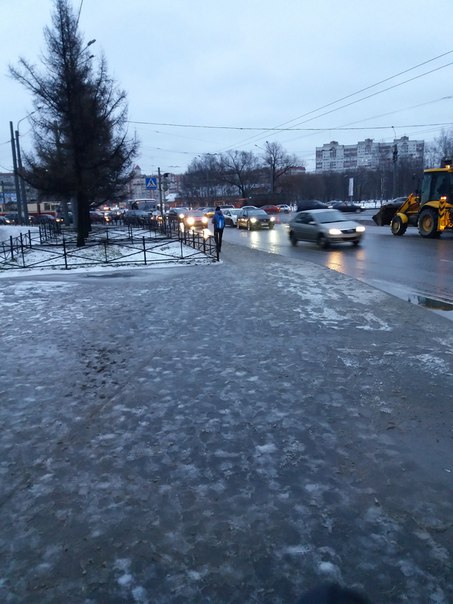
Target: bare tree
{"type": "Point", "coordinates": [440, 148]}
{"type": "Point", "coordinates": [240, 170]}
{"type": "Point", "coordinates": [279, 162]}
{"type": "Point", "coordinates": [81, 146]}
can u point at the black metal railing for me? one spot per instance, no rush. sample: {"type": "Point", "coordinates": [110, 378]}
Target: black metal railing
{"type": "Point", "coordinates": [107, 245]}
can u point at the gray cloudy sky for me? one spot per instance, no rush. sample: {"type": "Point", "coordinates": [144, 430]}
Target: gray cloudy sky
{"type": "Point", "coordinates": [252, 64]}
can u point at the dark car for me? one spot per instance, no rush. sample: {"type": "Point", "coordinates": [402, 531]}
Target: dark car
{"type": "Point", "coordinates": [255, 219]}
{"type": "Point", "coordinates": [177, 214]}
{"type": "Point", "coordinates": [42, 219]}
{"type": "Point", "coordinates": [12, 218]}
{"type": "Point", "coordinates": [347, 206]}
{"type": "Point", "coordinates": [136, 217]}
{"type": "Point", "coordinates": [195, 220]}
{"type": "Point", "coordinates": [5, 220]}
{"type": "Point", "coordinates": [324, 227]}
{"type": "Point", "coordinates": [311, 204]}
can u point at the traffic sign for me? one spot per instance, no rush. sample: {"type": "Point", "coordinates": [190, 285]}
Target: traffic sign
{"type": "Point", "coordinates": [151, 182]}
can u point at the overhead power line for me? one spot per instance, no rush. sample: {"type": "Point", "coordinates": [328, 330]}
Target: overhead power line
{"type": "Point", "coordinates": [292, 129]}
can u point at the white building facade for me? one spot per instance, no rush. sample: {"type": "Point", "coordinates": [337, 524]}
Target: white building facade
{"type": "Point", "coordinates": [333, 157]}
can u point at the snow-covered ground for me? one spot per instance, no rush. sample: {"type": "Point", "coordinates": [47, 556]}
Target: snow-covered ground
{"type": "Point", "coordinates": [161, 253]}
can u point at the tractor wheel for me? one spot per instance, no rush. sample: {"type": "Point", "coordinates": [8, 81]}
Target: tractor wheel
{"type": "Point", "coordinates": [397, 226]}
{"type": "Point", "coordinates": [427, 223]}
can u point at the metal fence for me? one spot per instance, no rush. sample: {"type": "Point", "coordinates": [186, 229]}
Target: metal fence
{"type": "Point", "coordinates": [148, 244]}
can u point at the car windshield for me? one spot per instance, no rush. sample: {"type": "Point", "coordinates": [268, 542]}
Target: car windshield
{"type": "Point", "coordinates": [257, 213]}
{"type": "Point", "coordinates": [330, 216]}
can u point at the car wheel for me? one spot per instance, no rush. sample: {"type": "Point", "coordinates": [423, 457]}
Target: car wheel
{"type": "Point", "coordinates": [292, 238]}
{"type": "Point", "coordinates": [323, 242]}
{"type": "Point", "coordinates": [271, 226]}
{"type": "Point", "coordinates": [356, 243]}
{"type": "Point", "coordinates": [397, 226]}
{"type": "Point", "coordinates": [427, 223]}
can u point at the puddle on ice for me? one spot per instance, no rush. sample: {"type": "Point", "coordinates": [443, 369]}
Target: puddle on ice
{"type": "Point", "coordinates": [439, 306]}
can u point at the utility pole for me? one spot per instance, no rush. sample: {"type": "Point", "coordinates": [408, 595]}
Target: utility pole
{"type": "Point", "coordinates": [395, 159]}
{"type": "Point", "coordinates": [160, 194]}
{"type": "Point", "coordinates": [22, 181]}
{"type": "Point", "coordinates": [16, 177]}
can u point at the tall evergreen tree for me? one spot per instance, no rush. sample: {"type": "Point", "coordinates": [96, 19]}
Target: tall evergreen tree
{"type": "Point", "coordinates": [81, 146]}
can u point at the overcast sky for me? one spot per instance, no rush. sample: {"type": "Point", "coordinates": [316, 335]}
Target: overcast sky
{"type": "Point", "coordinates": [252, 64]}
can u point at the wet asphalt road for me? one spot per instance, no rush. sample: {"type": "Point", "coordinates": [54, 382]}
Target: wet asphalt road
{"type": "Point", "coordinates": [411, 268]}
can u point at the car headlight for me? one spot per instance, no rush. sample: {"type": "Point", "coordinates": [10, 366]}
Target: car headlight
{"type": "Point", "coordinates": [334, 232]}
{"type": "Point", "coordinates": [272, 219]}
{"type": "Point", "coordinates": [204, 220]}
{"type": "Point", "coordinates": [360, 229]}
{"type": "Point", "coordinates": [190, 221]}
{"type": "Point", "coordinates": [253, 220]}
{"type": "Point", "coordinates": [181, 216]}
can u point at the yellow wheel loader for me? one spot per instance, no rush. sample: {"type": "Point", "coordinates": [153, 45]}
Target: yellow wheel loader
{"type": "Point", "coordinates": [431, 210]}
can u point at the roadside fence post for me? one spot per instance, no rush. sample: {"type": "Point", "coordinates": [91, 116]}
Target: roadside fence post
{"type": "Point", "coordinates": [65, 254]}
{"type": "Point", "coordinates": [21, 239]}
{"type": "Point", "coordinates": [144, 250]}
{"type": "Point", "coordinates": [11, 246]}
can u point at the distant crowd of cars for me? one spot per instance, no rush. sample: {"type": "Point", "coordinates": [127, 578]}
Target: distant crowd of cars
{"type": "Point", "coordinates": [313, 220]}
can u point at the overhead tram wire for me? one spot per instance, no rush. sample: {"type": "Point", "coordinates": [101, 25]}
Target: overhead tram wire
{"type": "Point", "coordinates": [359, 92]}
{"type": "Point", "coordinates": [270, 131]}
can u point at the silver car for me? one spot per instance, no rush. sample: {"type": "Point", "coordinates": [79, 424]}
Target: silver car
{"type": "Point", "coordinates": [324, 227]}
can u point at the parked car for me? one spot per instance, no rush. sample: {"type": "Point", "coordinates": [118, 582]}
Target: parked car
{"type": "Point", "coordinates": [254, 219]}
{"type": "Point", "coordinates": [284, 207]}
{"type": "Point", "coordinates": [347, 206]}
{"type": "Point", "coordinates": [195, 220]}
{"type": "Point", "coordinates": [270, 209]}
{"type": "Point", "coordinates": [231, 216]}
{"type": "Point", "coordinates": [311, 204]}
{"type": "Point", "coordinates": [12, 218]}
{"type": "Point", "coordinates": [177, 214]}
{"type": "Point", "coordinates": [324, 227]}
{"type": "Point", "coordinates": [249, 208]}
{"type": "Point", "coordinates": [6, 220]}
{"type": "Point", "coordinates": [97, 216]}
{"type": "Point", "coordinates": [136, 217]}
{"type": "Point", "coordinates": [42, 219]}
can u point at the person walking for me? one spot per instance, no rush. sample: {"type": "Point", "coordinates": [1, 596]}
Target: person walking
{"type": "Point", "coordinates": [218, 220]}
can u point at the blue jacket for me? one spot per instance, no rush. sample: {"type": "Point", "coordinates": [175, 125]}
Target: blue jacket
{"type": "Point", "coordinates": [218, 220]}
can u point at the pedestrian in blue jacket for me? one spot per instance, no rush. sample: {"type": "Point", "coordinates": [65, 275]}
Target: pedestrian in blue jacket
{"type": "Point", "coordinates": [218, 220]}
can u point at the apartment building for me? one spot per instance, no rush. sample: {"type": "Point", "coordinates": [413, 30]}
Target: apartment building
{"type": "Point", "coordinates": [333, 157]}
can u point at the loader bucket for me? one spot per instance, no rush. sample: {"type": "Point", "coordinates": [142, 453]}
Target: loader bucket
{"type": "Point", "coordinates": [385, 215]}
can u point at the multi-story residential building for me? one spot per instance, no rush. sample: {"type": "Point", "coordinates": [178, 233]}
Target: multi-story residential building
{"type": "Point", "coordinates": [333, 157]}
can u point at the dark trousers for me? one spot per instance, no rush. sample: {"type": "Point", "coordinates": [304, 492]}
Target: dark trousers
{"type": "Point", "coordinates": [218, 234]}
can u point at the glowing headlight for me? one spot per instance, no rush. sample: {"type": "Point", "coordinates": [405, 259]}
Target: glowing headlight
{"type": "Point", "coordinates": [191, 221]}
{"type": "Point", "coordinates": [360, 229]}
{"type": "Point", "coordinates": [253, 220]}
{"type": "Point", "coordinates": [334, 232]}
{"type": "Point", "coordinates": [181, 216]}
{"type": "Point", "coordinates": [272, 219]}
{"type": "Point", "coordinates": [204, 220]}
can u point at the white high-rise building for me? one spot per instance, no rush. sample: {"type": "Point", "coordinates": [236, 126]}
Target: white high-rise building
{"type": "Point", "coordinates": [333, 157]}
